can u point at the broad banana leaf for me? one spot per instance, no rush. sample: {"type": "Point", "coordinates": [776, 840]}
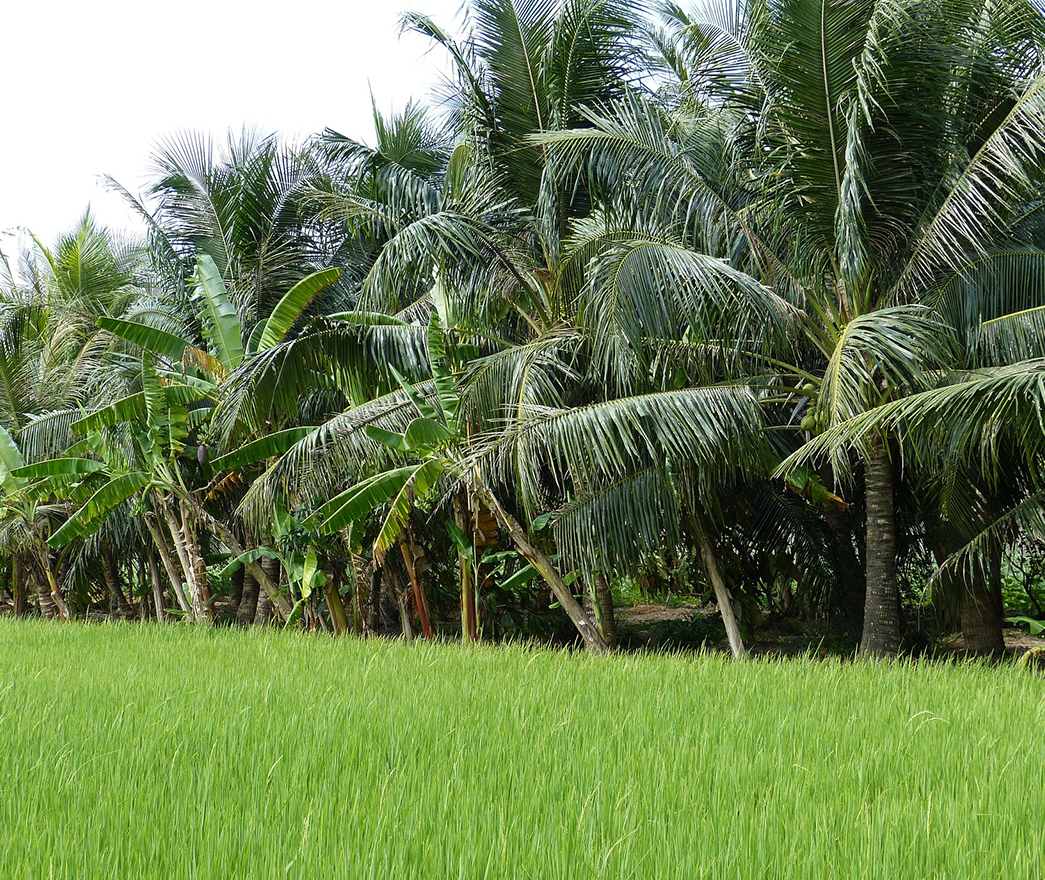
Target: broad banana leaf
{"type": "Point", "coordinates": [150, 338]}
{"type": "Point", "coordinates": [417, 486]}
{"type": "Point", "coordinates": [88, 519]}
{"type": "Point", "coordinates": [391, 439]}
{"type": "Point", "coordinates": [265, 447]}
{"type": "Point", "coordinates": [294, 302]}
{"type": "Point", "coordinates": [423, 434]}
{"type": "Point", "coordinates": [221, 323]}
{"type": "Point", "coordinates": [252, 555]}
{"type": "Point", "coordinates": [128, 409]}
{"type": "Point", "coordinates": [355, 503]}
{"type": "Point", "coordinates": [59, 467]}
{"type": "Point", "coordinates": [10, 460]}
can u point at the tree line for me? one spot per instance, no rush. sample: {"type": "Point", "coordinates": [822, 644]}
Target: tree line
{"type": "Point", "coordinates": [753, 290]}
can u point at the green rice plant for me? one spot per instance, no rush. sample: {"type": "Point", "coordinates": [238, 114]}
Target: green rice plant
{"type": "Point", "coordinates": [187, 752]}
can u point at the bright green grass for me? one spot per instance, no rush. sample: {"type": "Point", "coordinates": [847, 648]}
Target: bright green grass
{"type": "Point", "coordinates": [178, 752]}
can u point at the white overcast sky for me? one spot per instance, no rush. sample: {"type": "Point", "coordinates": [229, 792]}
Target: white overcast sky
{"type": "Point", "coordinates": [90, 87]}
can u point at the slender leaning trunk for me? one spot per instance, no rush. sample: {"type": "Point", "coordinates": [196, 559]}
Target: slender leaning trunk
{"type": "Point", "coordinates": [56, 591]}
{"type": "Point", "coordinates": [420, 601]}
{"type": "Point", "coordinates": [588, 629]}
{"type": "Point", "coordinates": [722, 597]}
{"type": "Point", "coordinates": [881, 635]}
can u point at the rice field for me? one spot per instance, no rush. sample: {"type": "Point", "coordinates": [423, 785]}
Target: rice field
{"type": "Point", "coordinates": [181, 752]}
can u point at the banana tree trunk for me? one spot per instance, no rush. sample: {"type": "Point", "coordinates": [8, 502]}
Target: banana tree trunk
{"type": "Point", "coordinates": [338, 616]}
{"type": "Point", "coordinates": [169, 565]}
{"type": "Point", "coordinates": [157, 588]}
{"type": "Point", "coordinates": [469, 628]}
{"type": "Point", "coordinates": [404, 616]}
{"type": "Point", "coordinates": [420, 601]}
{"type": "Point", "coordinates": [199, 611]}
{"type": "Point", "coordinates": [359, 595]}
{"type": "Point", "coordinates": [587, 628]}
{"type": "Point", "coordinates": [192, 546]}
{"type": "Point", "coordinates": [881, 635]}
{"type": "Point", "coordinates": [377, 597]}
{"type": "Point", "coordinates": [118, 604]}
{"type": "Point", "coordinates": [269, 588]}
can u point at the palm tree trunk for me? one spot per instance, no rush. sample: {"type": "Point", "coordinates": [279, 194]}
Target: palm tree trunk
{"type": "Point", "coordinates": [248, 603]}
{"type": "Point", "coordinates": [588, 629]}
{"type": "Point", "coordinates": [981, 609]}
{"type": "Point", "coordinates": [981, 623]}
{"type": "Point", "coordinates": [271, 571]}
{"type": "Point", "coordinates": [881, 635]}
{"type": "Point", "coordinates": [261, 611]}
{"type": "Point", "coordinates": [722, 597]}
{"type": "Point", "coordinates": [604, 614]}
{"type": "Point", "coordinates": [18, 585]}
{"type": "Point", "coordinates": [236, 588]}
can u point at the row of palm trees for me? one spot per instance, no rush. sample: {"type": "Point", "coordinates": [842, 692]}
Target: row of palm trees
{"type": "Point", "coordinates": [757, 286]}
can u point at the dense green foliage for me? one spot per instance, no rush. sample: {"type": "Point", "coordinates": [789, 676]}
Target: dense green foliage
{"type": "Point", "coordinates": [187, 752]}
{"type": "Point", "coordinates": [751, 291]}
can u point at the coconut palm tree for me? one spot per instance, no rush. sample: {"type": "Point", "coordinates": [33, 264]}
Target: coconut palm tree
{"type": "Point", "coordinates": [879, 147]}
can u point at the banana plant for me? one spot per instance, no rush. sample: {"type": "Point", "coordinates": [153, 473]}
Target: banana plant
{"type": "Point", "coordinates": [136, 443]}
{"type": "Point", "coordinates": [435, 445]}
{"type": "Point", "coordinates": [22, 514]}
{"type": "Point", "coordinates": [159, 422]}
{"type": "Point", "coordinates": [221, 324]}
{"type": "Point", "coordinates": [301, 560]}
